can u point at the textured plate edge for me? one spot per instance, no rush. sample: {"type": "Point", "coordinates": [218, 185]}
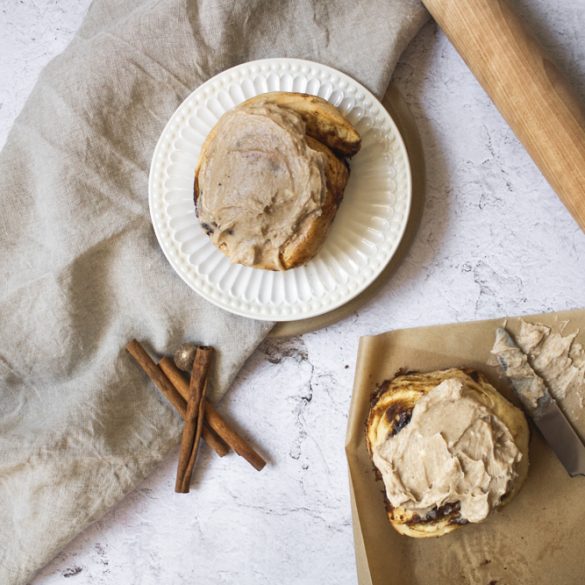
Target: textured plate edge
{"type": "Point", "coordinates": [393, 249]}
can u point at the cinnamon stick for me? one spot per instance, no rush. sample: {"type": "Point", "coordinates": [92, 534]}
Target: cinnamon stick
{"type": "Point", "coordinates": [194, 419]}
{"type": "Point", "coordinates": [213, 418]}
{"type": "Point", "coordinates": [214, 440]}
{"type": "Point", "coordinates": [160, 380]}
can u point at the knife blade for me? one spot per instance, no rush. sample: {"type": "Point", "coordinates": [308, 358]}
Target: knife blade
{"type": "Point", "coordinates": [538, 402]}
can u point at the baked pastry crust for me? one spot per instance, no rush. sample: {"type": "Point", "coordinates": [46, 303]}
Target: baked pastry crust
{"type": "Point", "coordinates": [323, 121]}
{"type": "Point", "coordinates": [312, 233]}
{"type": "Point", "coordinates": [327, 132]}
{"type": "Point", "coordinates": [391, 411]}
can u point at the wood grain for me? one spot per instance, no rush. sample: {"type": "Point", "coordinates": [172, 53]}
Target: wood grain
{"type": "Point", "coordinates": [526, 87]}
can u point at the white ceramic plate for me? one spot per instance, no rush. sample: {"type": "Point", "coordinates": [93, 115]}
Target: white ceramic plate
{"type": "Point", "coordinates": [369, 223]}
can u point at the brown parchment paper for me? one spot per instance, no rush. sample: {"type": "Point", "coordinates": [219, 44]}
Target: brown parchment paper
{"type": "Point", "coordinates": [539, 538]}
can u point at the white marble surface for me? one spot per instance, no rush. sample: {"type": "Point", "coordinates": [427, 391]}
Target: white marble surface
{"type": "Point", "coordinates": [494, 240]}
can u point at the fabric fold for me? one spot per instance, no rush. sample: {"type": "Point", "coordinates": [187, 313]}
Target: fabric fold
{"type": "Point", "coordinates": [82, 272]}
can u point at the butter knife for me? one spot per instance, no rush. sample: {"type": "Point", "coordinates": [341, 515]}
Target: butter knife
{"type": "Point", "coordinates": [534, 395]}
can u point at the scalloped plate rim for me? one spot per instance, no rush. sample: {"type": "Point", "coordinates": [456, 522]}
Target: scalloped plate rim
{"type": "Point", "coordinates": [275, 61]}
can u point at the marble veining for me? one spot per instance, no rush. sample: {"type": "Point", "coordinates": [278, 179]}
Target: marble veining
{"type": "Point", "coordinates": [493, 240]}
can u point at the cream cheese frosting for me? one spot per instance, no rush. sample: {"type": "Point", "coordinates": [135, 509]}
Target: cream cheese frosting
{"type": "Point", "coordinates": [529, 386]}
{"type": "Point", "coordinates": [454, 449]}
{"type": "Point", "coordinates": [559, 359]}
{"type": "Point", "coordinates": [258, 183]}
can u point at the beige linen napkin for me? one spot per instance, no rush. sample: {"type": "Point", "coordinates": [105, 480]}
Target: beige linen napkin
{"type": "Point", "coordinates": [80, 267]}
